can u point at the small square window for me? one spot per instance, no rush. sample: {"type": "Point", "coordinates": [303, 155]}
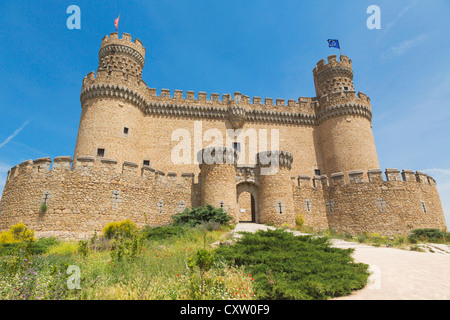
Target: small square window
{"type": "Point", "coordinates": [317, 172]}
{"type": "Point", "coordinates": [146, 162]}
{"type": "Point", "coordinates": [125, 130]}
{"type": "Point", "coordinates": [100, 152]}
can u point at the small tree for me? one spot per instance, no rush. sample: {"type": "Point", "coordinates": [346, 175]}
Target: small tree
{"type": "Point", "coordinates": [204, 260]}
{"type": "Point", "coordinates": [124, 229]}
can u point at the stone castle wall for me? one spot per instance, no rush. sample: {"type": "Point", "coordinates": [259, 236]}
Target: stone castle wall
{"type": "Point", "coordinates": [91, 194]}
{"type": "Point", "coordinates": [348, 203]}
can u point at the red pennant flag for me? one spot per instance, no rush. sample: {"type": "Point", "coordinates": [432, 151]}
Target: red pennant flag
{"type": "Point", "coordinates": [116, 22]}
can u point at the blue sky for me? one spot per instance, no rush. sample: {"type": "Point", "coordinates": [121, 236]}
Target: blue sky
{"type": "Point", "coordinates": [259, 48]}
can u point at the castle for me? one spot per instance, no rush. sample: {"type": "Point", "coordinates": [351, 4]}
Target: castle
{"type": "Point", "coordinates": [326, 164]}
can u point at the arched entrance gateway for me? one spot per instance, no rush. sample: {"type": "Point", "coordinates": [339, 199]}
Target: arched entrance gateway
{"type": "Point", "coordinates": [247, 197]}
{"type": "Point", "coordinates": [247, 194]}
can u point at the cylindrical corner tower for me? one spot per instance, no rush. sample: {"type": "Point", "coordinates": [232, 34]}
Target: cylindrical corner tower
{"type": "Point", "coordinates": [111, 102]}
{"type": "Point", "coordinates": [344, 119]}
{"type": "Point", "coordinates": [276, 198]}
{"type": "Point", "coordinates": [218, 178]}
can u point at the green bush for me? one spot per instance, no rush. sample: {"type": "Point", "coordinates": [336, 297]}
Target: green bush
{"type": "Point", "coordinates": [200, 215]}
{"type": "Point", "coordinates": [285, 266]}
{"type": "Point", "coordinates": [117, 229]}
{"type": "Point", "coordinates": [163, 232]}
{"type": "Point", "coordinates": [41, 246]}
{"type": "Point", "coordinates": [428, 235]}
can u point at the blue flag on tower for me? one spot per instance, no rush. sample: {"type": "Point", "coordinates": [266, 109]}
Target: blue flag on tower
{"type": "Point", "coordinates": [333, 43]}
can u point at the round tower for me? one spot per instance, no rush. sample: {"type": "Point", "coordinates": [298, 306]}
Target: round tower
{"type": "Point", "coordinates": [121, 58]}
{"type": "Point", "coordinates": [110, 125]}
{"type": "Point", "coordinates": [276, 198]}
{"type": "Point", "coordinates": [344, 119]}
{"type": "Point", "coordinates": [218, 178]}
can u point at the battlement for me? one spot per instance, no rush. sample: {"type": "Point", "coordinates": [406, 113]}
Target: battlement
{"type": "Point", "coordinates": [333, 62]}
{"type": "Point", "coordinates": [126, 40]}
{"type": "Point", "coordinates": [358, 177]}
{"type": "Point", "coordinates": [137, 92]}
{"type": "Point", "coordinates": [104, 169]}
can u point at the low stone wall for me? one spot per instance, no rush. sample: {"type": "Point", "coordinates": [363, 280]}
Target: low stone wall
{"type": "Point", "coordinates": [86, 197]}
{"type": "Point", "coordinates": [404, 201]}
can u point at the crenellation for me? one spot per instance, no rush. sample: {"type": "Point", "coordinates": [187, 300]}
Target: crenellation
{"type": "Point", "coordinates": [256, 100]}
{"type": "Point", "coordinates": [375, 175]}
{"type": "Point", "coordinates": [408, 175]}
{"type": "Point", "coordinates": [188, 178]}
{"type": "Point", "coordinates": [190, 95]}
{"type": "Point", "coordinates": [62, 163]}
{"type": "Point", "coordinates": [178, 94]}
{"type": "Point", "coordinates": [279, 102]}
{"type": "Point", "coordinates": [171, 178]}
{"type": "Point", "coordinates": [202, 96]}
{"type": "Point", "coordinates": [42, 165]}
{"type": "Point", "coordinates": [317, 182]}
{"type": "Point", "coordinates": [337, 179]}
{"type": "Point", "coordinates": [159, 176]}
{"type": "Point", "coordinates": [292, 103]}
{"type": "Point", "coordinates": [108, 166]}
{"type": "Point", "coordinates": [214, 97]}
{"type": "Point", "coordinates": [304, 181]}
{"type": "Point", "coordinates": [324, 180]}
{"type": "Point", "coordinates": [129, 169]}
{"type": "Point", "coordinates": [421, 177]}
{"type": "Point", "coordinates": [356, 176]}
{"type": "Point", "coordinates": [393, 175]}
{"type": "Point", "coordinates": [268, 101]}
{"type": "Point", "coordinates": [148, 172]}
{"type": "Point", "coordinates": [165, 93]}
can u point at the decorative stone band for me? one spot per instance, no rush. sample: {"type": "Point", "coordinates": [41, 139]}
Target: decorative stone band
{"type": "Point", "coordinates": [217, 155]}
{"type": "Point", "coordinates": [282, 159]}
{"type": "Point", "coordinates": [234, 113]}
{"type": "Point", "coordinates": [357, 177]}
{"type": "Point", "coordinates": [121, 49]}
{"type": "Point", "coordinates": [344, 109]}
{"type": "Point", "coordinates": [335, 72]}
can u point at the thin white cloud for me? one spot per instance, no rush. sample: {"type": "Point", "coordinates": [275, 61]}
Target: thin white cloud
{"type": "Point", "coordinates": [438, 170]}
{"type": "Point", "coordinates": [15, 133]}
{"type": "Point", "coordinates": [404, 46]}
{"type": "Point", "coordinates": [399, 16]}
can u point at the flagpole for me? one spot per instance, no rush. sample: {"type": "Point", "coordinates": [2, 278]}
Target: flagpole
{"type": "Point", "coordinates": [340, 52]}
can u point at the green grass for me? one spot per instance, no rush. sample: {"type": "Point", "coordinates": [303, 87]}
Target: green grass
{"type": "Point", "coordinates": [162, 263]}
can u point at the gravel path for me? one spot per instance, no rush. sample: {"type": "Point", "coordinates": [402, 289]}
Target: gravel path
{"type": "Point", "coordinates": [396, 274]}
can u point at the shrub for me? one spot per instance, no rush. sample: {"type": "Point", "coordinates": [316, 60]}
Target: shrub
{"type": "Point", "coordinates": [204, 261]}
{"type": "Point", "coordinates": [83, 248]}
{"type": "Point", "coordinates": [285, 266]}
{"type": "Point", "coordinates": [116, 229]}
{"type": "Point", "coordinates": [43, 208]}
{"type": "Point", "coordinates": [63, 249]}
{"type": "Point", "coordinates": [428, 235]}
{"type": "Point", "coordinates": [299, 220]}
{"type": "Point", "coordinates": [163, 232]}
{"type": "Point", "coordinates": [196, 216]}
{"type": "Point", "coordinates": [42, 245]}
{"type": "Point", "coordinates": [17, 233]}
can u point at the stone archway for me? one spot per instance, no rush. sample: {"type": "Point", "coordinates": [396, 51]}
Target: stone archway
{"type": "Point", "coordinates": [251, 202]}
